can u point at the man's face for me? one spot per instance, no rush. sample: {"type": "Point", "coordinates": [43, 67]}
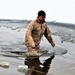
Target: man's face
{"type": "Point", "coordinates": [41, 18]}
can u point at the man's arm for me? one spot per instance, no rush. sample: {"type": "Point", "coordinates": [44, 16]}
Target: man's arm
{"type": "Point", "coordinates": [29, 36]}
{"type": "Point", "coordinates": [49, 37]}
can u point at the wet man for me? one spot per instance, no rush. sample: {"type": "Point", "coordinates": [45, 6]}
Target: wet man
{"type": "Point", "coordinates": [36, 29]}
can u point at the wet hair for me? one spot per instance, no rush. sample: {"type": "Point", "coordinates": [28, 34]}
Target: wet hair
{"type": "Point", "coordinates": [41, 13]}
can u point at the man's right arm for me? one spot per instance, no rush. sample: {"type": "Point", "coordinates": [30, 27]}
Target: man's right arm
{"type": "Point", "coordinates": [29, 36]}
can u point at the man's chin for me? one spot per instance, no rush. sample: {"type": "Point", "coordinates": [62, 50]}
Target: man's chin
{"type": "Point", "coordinates": [42, 21]}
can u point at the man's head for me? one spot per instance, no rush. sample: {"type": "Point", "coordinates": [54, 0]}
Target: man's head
{"type": "Point", "coordinates": [41, 16]}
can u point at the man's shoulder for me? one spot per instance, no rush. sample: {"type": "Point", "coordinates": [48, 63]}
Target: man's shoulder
{"type": "Point", "coordinates": [33, 21]}
{"type": "Point", "coordinates": [45, 24]}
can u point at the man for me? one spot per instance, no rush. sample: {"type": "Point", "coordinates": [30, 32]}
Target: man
{"type": "Point", "coordinates": [34, 33]}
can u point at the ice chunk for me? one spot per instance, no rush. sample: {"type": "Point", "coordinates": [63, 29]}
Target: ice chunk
{"type": "Point", "coordinates": [4, 64]}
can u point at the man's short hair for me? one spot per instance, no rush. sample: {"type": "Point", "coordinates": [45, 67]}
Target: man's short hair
{"type": "Point", "coordinates": [41, 13]}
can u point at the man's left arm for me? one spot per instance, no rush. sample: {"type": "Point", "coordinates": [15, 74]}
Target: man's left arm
{"type": "Point", "coordinates": [48, 36]}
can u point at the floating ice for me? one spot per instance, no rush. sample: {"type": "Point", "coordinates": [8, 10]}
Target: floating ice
{"type": "Point", "coordinates": [4, 64]}
{"type": "Point", "coordinates": [22, 68]}
{"type": "Point", "coordinates": [41, 66]}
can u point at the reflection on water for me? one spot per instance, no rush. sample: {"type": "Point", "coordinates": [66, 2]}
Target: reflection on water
{"type": "Point", "coordinates": [35, 67]}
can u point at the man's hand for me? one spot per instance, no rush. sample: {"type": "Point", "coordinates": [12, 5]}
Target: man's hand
{"type": "Point", "coordinates": [33, 44]}
{"type": "Point", "coordinates": [53, 45]}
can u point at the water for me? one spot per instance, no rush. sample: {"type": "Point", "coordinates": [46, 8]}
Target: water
{"type": "Point", "coordinates": [12, 47]}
